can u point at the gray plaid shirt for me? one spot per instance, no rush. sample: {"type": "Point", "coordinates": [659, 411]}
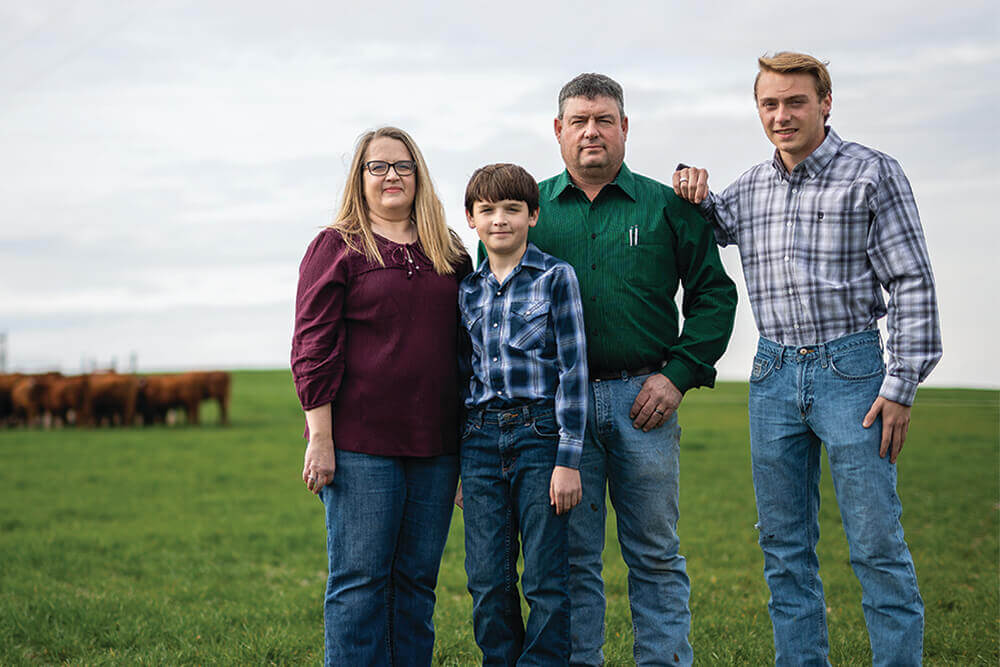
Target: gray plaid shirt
{"type": "Point", "coordinates": [819, 244]}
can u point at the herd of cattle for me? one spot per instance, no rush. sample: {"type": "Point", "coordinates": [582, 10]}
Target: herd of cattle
{"type": "Point", "coordinates": [109, 398]}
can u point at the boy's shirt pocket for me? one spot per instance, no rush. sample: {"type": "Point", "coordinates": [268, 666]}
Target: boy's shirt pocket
{"type": "Point", "coordinates": [528, 324]}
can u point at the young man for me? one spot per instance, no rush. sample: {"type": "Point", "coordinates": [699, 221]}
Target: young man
{"type": "Point", "coordinates": [633, 243]}
{"type": "Point", "coordinates": [822, 227]}
{"type": "Point", "coordinates": [527, 409]}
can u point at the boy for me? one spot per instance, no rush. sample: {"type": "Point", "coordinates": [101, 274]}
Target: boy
{"type": "Point", "coordinates": [527, 410]}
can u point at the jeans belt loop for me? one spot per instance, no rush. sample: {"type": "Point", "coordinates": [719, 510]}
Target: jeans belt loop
{"type": "Point", "coordinates": [781, 357]}
{"type": "Point", "coordinates": [526, 414]}
{"type": "Point", "coordinates": [824, 357]}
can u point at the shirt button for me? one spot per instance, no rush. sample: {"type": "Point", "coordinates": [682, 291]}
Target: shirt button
{"type": "Point", "coordinates": [495, 324]}
{"type": "Point", "coordinates": [795, 191]}
{"type": "Point", "coordinates": [498, 292]}
{"type": "Point", "coordinates": [788, 224]}
{"type": "Point", "coordinates": [593, 266]}
{"type": "Point", "coordinates": [593, 298]}
{"type": "Point", "coordinates": [789, 291]}
{"type": "Point", "coordinates": [494, 358]}
{"type": "Point", "coordinates": [786, 258]}
{"type": "Point", "coordinates": [593, 236]}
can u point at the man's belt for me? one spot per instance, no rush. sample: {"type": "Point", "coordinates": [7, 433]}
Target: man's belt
{"type": "Point", "coordinates": [618, 375]}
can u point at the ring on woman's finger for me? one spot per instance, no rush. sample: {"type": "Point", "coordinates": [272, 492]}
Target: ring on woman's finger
{"type": "Point", "coordinates": [658, 411]}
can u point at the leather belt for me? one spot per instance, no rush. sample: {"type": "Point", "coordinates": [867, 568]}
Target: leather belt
{"type": "Point", "coordinates": [618, 375]}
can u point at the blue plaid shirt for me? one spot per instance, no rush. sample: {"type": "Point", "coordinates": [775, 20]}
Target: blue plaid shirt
{"type": "Point", "coordinates": [819, 244]}
{"type": "Point", "coordinates": [529, 342]}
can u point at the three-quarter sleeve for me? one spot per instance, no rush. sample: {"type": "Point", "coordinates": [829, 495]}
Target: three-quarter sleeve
{"type": "Point", "coordinates": [318, 340]}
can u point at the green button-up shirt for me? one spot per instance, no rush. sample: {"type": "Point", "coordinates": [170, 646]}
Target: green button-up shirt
{"type": "Point", "coordinates": [631, 248]}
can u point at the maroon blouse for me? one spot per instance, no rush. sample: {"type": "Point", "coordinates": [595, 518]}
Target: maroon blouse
{"type": "Point", "coordinates": [379, 343]}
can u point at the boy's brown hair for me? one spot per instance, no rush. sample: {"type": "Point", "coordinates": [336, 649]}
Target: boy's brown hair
{"type": "Point", "coordinates": [496, 182]}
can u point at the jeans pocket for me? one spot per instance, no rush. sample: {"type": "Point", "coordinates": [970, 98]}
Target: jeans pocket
{"type": "Point", "coordinates": [468, 430]}
{"type": "Point", "coordinates": [858, 363]}
{"type": "Point", "coordinates": [545, 427]}
{"type": "Point", "coordinates": [763, 364]}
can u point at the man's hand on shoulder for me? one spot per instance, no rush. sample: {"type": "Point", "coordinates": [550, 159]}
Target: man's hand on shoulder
{"type": "Point", "coordinates": [895, 424]}
{"type": "Point", "coordinates": [691, 183]}
{"type": "Point", "coordinates": [657, 400]}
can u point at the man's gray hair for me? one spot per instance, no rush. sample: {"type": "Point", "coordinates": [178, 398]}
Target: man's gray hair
{"type": "Point", "coordinates": [592, 86]}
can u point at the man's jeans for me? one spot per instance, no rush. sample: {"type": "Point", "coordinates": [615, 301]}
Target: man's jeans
{"type": "Point", "coordinates": [387, 519]}
{"type": "Point", "coordinates": [641, 473]}
{"type": "Point", "coordinates": [507, 461]}
{"type": "Point", "coordinates": [800, 397]}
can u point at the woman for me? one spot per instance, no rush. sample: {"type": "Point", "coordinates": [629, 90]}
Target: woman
{"type": "Point", "coordinates": [374, 362]}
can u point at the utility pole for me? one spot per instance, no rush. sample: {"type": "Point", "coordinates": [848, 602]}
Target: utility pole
{"type": "Point", "coordinates": [3, 352]}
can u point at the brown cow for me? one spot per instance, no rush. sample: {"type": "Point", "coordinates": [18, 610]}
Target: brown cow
{"type": "Point", "coordinates": [28, 395]}
{"type": "Point", "coordinates": [112, 396]}
{"type": "Point", "coordinates": [214, 385]}
{"type": "Point", "coordinates": [162, 393]}
{"type": "Point", "coordinates": [67, 395]}
{"type": "Point", "coordinates": [7, 382]}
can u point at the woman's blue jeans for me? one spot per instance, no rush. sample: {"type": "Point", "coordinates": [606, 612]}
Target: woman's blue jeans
{"type": "Point", "coordinates": [387, 520]}
{"type": "Point", "coordinates": [799, 398]}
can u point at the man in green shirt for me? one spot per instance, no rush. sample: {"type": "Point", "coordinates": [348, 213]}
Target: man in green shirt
{"type": "Point", "coordinates": [632, 242]}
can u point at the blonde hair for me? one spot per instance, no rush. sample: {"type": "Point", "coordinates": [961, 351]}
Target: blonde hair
{"type": "Point", "coordinates": [443, 247]}
{"type": "Point", "coordinates": [789, 62]}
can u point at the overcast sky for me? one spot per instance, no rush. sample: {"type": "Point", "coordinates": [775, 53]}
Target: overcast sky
{"type": "Point", "coordinates": [165, 164]}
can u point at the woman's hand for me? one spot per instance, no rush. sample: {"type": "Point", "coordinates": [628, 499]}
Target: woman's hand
{"type": "Point", "coordinates": [320, 463]}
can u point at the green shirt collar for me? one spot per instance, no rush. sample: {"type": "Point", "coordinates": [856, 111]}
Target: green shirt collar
{"type": "Point", "coordinates": [625, 181]}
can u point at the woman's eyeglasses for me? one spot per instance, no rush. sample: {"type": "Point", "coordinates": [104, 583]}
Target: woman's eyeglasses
{"type": "Point", "coordinates": [381, 168]}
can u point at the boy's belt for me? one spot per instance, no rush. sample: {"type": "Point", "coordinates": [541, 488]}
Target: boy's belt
{"type": "Point", "coordinates": [620, 375]}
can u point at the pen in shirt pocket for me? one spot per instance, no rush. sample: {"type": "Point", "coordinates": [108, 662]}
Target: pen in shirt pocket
{"type": "Point", "coordinates": [633, 235]}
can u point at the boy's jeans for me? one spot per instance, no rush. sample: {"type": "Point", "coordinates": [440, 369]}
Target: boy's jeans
{"type": "Point", "coordinates": [387, 519]}
{"type": "Point", "coordinates": [641, 472]}
{"type": "Point", "coordinates": [507, 461]}
{"type": "Point", "coordinates": [800, 397]}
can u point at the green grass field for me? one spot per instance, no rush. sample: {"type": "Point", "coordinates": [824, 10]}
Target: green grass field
{"type": "Point", "coordinates": [200, 546]}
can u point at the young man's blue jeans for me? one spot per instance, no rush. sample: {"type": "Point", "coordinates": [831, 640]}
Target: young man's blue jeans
{"type": "Point", "coordinates": [387, 519]}
{"type": "Point", "coordinates": [800, 398]}
{"type": "Point", "coordinates": [507, 461]}
{"type": "Point", "coordinates": [640, 471]}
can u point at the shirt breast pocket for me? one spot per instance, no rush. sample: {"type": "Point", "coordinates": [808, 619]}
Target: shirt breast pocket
{"type": "Point", "coordinates": [528, 324]}
{"type": "Point", "coordinates": [474, 325]}
{"type": "Point", "coordinates": [641, 262]}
